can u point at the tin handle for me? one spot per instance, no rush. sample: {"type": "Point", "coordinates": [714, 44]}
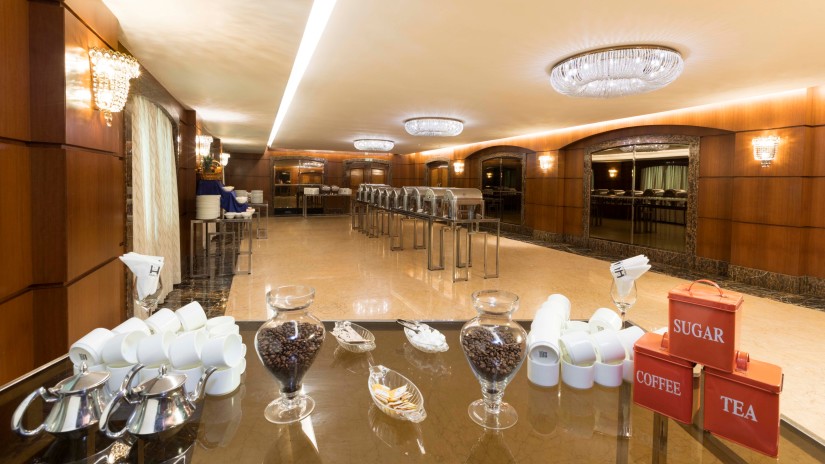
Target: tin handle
{"type": "Point", "coordinates": [708, 282]}
{"type": "Point", "coordinates": [742, 360]}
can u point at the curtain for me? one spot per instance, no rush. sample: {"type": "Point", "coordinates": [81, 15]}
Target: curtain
{"type": "Point", "coordinates": [155, 217]}
{"type": "Point", "coordinates": [665, 177]}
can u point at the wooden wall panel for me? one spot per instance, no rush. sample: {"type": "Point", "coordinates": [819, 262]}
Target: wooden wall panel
{"type": "Point", "coordinates": [572, 163]}
{"type": "Point", "coordinates": [97, 17]}
{"type": "Point", "coordinates": [790, 155]}
{"type": "Point", "coordinates": [95, 301]}
{"type": "Point", "coordinates": [16, 337]}
{"type": "Point", "coordinates": [813, 194]}
{"type": "Point", "coordinates": [85, 126]}
{"type": "Point", "coordinates": [49, 228]}
{"type": "Point", "coordinates": [15, 220]}
{"type": "Point", "coordinates": [95, 199]}
{"type": "Point", "coordinates": [714, 195]}
{"type": "Point", "coordinates": [47, 65]}
{"type": "Point", "coordinates": [774, 200]}
{"type": "Point", "coordinates": [50, 311]}
{"type": "Point", "coordinates": [765, 247]}
{"type": "Point", "coordinates": [713, 239]}
{"type": "Point", "coordinates": [573, 193]}
{"type": "Point", "coordinates": [815, 162]}
{"type": "Point", "coordinates": [813, 253]}
{"type": "Point", "coordinates": [14, 79]}
{"type": "Point", "coordinates": [716, 153]}
{"type": "Point", "coordinates": [573, 220]}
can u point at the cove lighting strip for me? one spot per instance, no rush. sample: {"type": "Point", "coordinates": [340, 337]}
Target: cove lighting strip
{"type": "Point", "coordinates": [317, 22]}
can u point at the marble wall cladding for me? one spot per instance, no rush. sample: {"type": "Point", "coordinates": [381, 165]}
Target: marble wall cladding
{"type": "Point", "coordinates": [769, 280]}
{"type": "Point", "coordinates": [711, 266]}
{"type": "Point", "coordinates": [812, 286]}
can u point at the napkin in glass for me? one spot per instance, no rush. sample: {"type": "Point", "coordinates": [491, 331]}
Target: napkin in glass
{"type": "Point", "coordinates": [146, 270]}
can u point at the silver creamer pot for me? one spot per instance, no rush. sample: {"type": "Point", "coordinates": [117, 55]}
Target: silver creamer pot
{"type": "Point", "coordinates": [78, 402]}
{"type": "Point", "coordinates": [161, 404]}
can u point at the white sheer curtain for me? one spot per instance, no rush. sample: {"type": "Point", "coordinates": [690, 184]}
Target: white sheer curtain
{"type": "Point", "coordinates": [665, 177]}
{"type": "Point", "coordinates": [156, 228]}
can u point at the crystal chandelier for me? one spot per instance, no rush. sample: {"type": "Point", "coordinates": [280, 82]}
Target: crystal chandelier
{"type": "Point", "coordinates": [645, 147]}
{"type": "Point", "coordinates": [434, 127]}
{"type": "Point", "coordinates": [374, 145]}
{"type": "Point", "coordinates": [616, 72]}
{"type": "Point", "coordinates": [764, 149]}
{"type": "Point", "coordinates": [111, 72]}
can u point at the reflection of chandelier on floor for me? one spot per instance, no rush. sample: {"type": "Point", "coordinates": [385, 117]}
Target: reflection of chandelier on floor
{"type": "Point", "coordinates": [645, 148]}
{"type": "Point", "coordinates": [616, 72]}
{"type": "Point", "coordinates": [111, 72]}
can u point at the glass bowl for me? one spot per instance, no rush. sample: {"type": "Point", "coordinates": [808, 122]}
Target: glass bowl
{"type": "Point", "coordinates": [423, 347]}
{"type": "Point", "coordinates": [355, 347]}
{"type": "Point", "coordinates": [412, 405]}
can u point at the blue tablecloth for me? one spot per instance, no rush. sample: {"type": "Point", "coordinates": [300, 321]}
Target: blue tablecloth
{"type": "Point", "coordinates": [228, 200]}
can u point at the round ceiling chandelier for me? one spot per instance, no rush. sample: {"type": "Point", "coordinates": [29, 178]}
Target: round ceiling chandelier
{"type": "Point", "coordinates": [374, 145]}
{"type": "Point", "coordinates": [617, 71]}
{"type": "Point", "coordinates": [434, 127]}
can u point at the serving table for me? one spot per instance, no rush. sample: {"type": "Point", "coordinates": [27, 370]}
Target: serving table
{"type": "Point", "coordinates": [236, 230]}
{"type": "Point", "coordinates": [558, 424]}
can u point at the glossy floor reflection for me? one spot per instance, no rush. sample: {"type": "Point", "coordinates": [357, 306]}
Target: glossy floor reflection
{"type": "Point", "coordinates": [360, 278]}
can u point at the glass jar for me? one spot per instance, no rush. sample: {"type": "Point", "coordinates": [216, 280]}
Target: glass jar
{"type": "Point", "coordinates": [495, 347]}
{"type": "Point", "coordinates": [287, 345]}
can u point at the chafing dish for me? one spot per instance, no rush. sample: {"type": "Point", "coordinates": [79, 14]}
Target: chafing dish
{"type": "Point", "coordinates": [409, 201]}
{"type": "Point", "coordinates": [464, 203]}
{"type": "Point", "coordinates": [396, 199]}
{"type": "Point", "coordinates": [361, 193]}
{"type": "Point", "coordinates": [384, 196]}
{"type": "Point", "coordinates": [372, 193]}
{"type": "Point", "coordinates": [415, 200]}
{"type": "Point", "coordinates": [433, 201]}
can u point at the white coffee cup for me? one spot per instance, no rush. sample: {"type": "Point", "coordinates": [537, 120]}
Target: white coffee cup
{"type": "Point", "coordinates": [608, 375]}
{"type": "Point", "coordinates": [191, 316]}
{"type": "Point", "coordinates": [580, 377]}
{"type": "Point", "coordinates": [559, 302]}
{"type": "Point", "coordinates": [609, 348]}
{"type": "Point", "coordinates": [116, 377]}
{"type": "Point", "coordinates": [547, 317]}
{"type": "Point", "coordinates": [576, 326]}
{"type": "Point", "coordinates": [133, 325]}
{"type": "Point", "coordinates": [220, 320]}
{"type": "Point", "coordinates": [148, 372]}
{"type": "Point", "coordinates": [164, 320]}
{"type": "Point", "coordinates": [193, 375]}
{"type": "Point", "coordinates": [185, 350]}
{"type": "Point", "coordinates": [89, 349]}
{"type": "Point", "coordinates": [222, 352]}
{"type": "Point", "coordinates": [223, 330]}
{"type": "Point", "coordinates": [605, 319]}
{"type": "Point", "coordinates": [121, 350]}
{"type": "Point", "coordinates": [225, 381]}
{"type": "Point", "coordinates": [628, 337]}
{"type": "Point", "coordinates": [628, 370]}
{"type": "Point", "coordinates": [154, 349]}
{"type": "Point", "coordinates": [540, 371]}
{"type": "Point", "coordinates": [577, 348]}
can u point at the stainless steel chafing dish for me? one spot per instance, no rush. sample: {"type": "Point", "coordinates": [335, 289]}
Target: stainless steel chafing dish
{"type": "Point", "coordinates": [384, 196]}
{"type": "Point", "coordinates": [396, 199]}
{"type": "Point", "coordinates": [415, 200]}
{"type": "Point", "coordinates": [361, 193]}
{"type": "Point", "coordinates": [372, 193]}
{"type": "Point", "coordinates": [433, 201]}
{"type": "Point", "coordinates": [464, 203]}
{"type": "Point", "coordinates": [409, 198]}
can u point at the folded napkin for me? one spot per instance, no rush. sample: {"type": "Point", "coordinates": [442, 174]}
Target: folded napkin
{"type": "Point", "coordinates": [147, 271]}
{"type": "Point", "coordinates": [626, 272]}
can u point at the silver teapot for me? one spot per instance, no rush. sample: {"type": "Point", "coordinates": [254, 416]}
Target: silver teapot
{"type": "Point", "coordinates": [162, 405]}
{"type": "Point", "coordinates": [78, 400]}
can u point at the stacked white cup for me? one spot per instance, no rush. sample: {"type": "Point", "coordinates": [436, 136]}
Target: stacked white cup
{"type": "Point", "coordinates": [543, 353]}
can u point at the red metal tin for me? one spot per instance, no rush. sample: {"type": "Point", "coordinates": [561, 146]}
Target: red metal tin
{"type": "Point", "coordinates": [743, 406]}
{"type": "Point", "coordinates": [662, 382]}
{"type": "Point", "coordinates": [704, 325]}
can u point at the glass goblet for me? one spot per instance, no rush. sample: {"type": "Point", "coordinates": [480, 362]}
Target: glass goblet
{"type": "Point", "coordinates": [623, 298]}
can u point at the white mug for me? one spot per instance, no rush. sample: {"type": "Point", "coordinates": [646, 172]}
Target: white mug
{"type": "Point", "coordinates": [223, 330]}
{"type": "Point", "coordinates": [576, 326]}
{"type": "Point", "coordinates": [148, 373]}
{"type": "Point", "coordinates": [222, 352]}
{"type": "Point", "coordinates": [559, 302]}
{"type": "Point", "coordinates": [154, 349]}
{"type": "Point", "coordinates": [605, 319]}
{"type": "Point", "coordinates": [628, 370]}
{"type": "Point", "coordinates": [609, 348]}
{"type": "Point", "coordinates": [193, 376]}
{"type": "Point", "coordinates": [191, 316]}
{"type": "Point", "coordinates": [547, 317]}
{"type": "Point", "coordinates": [89, 349]}
{"type": "Point", "coordinates": [116, 377]}
{"type": "Point", "coordinates": [133, 324]}
{"type": "Point", "coordinates": [580, 377]}
{"type": "Point", "coordinates": [577, 348]}
{"type": "Point", "coordinates": [608, 375]}
{"type": "Point", "coordinates": [545, 374]}
{"type": "Point", "coordinates": [628, 337]}
{"type": "Point", "coordinates": [121, 350]}
{"type": "Point", "coordinates": [164, 320]}
{"type": "Point", "coordinates": [220, 320]}
{"type": "Point", "coordinates": [185, 350]}
{"type": "Point", "coordinates": [226, 380]}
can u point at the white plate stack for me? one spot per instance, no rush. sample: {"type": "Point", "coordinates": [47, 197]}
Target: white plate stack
{"type": "Point", "coordinates": [207, 206]}
{"type": "Point", "coordinates": [256, 196]}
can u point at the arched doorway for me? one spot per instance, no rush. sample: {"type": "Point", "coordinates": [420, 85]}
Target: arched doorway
{"type": "Point", "coordinates": [366, 171]}
{"type": "Point", "coordinates": [502, 177]}
{"type": "Point", "coordinates": [437, 174]}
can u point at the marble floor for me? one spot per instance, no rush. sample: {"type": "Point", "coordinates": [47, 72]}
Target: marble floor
{"type": "Point", "coordinates": [360, 278]}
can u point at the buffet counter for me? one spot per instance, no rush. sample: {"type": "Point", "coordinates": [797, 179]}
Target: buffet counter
{"type": "Point", "coordinates": [558, 424]}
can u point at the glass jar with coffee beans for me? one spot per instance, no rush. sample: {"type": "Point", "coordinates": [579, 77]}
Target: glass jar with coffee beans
{"type": "Point", "coordinates": [287, 345]}
{"type": "Point", "coordinates": [495, 347]}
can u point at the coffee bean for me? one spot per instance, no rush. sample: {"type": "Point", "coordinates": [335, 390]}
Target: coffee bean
{"type": "Point", "coordinates": [493, 355]}
{"type": "Point", "coordinates": [288, 351]}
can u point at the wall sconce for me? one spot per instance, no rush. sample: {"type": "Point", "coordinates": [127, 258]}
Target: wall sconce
{"type": "Point", "coordinates": [203, 146]}
{"type": "Point", "coordinates": [612, 172]}
{"type": "Point", "coordinates": [489, 175]}
{"type": "Point", "coordinates": [111, 72]}
{"type": "Point", "coordinates": [458, 167]}
{"type": "Point", "coordinates": [224, 159]}
{"type": "Point", "coordinates": [545, 162]}
{"type": "Point", "coordinates": [764, 149]}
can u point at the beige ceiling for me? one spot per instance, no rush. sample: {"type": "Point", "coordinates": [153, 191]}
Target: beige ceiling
{"type": "Point", "coordinates": [485, 62]}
